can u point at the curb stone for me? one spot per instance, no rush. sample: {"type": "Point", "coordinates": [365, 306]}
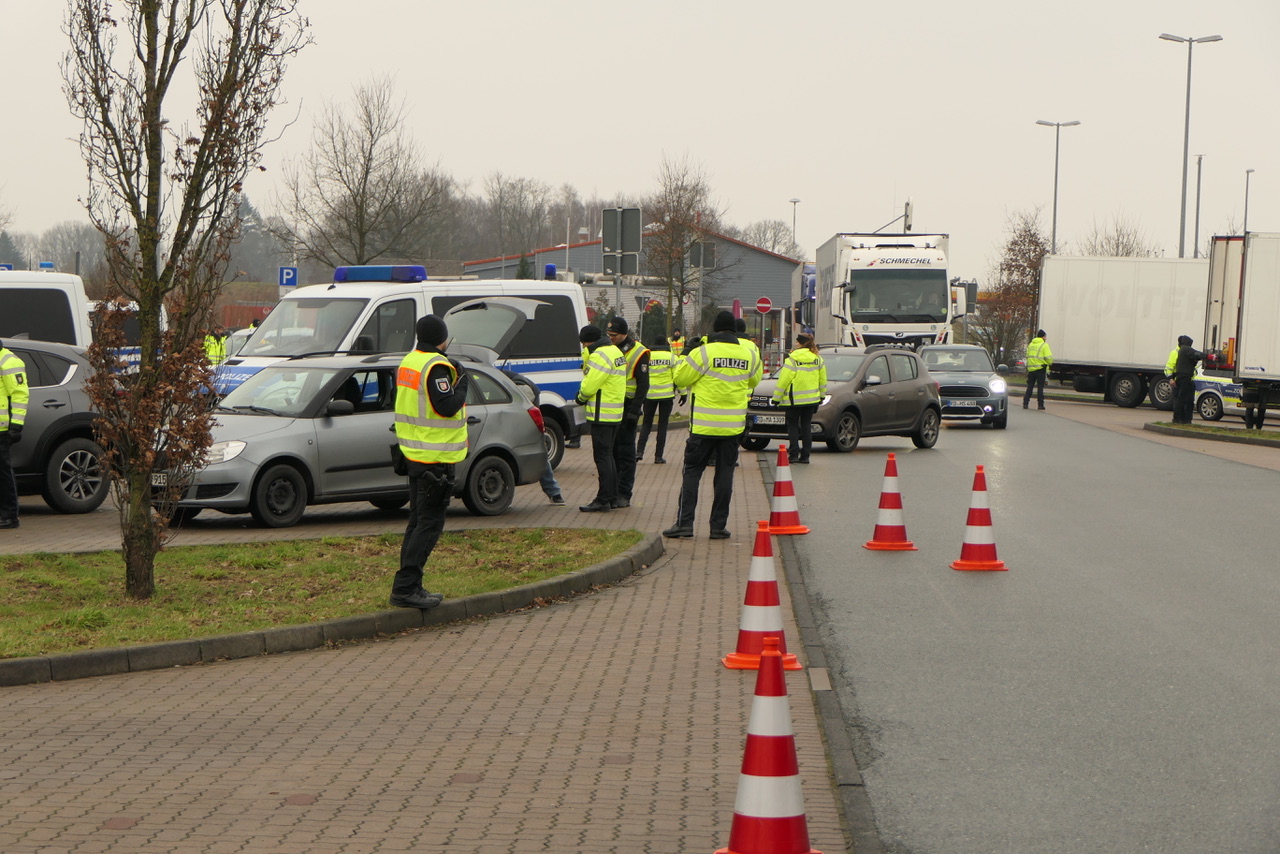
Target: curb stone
{"type": "Point", "coordinates": [107, 662]}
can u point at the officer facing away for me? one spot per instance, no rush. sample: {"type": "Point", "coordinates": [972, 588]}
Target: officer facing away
{"type": "Point", "coordinates": [719, 375]}
{"type": "Point", "coordinates": [1039, 358]}
{"type": "Point", "coordinates": [14, 394]}
{"type": "Point", "coordinates": [431, 432]}
{"type": "Point", "coordinates": [1184, 386]}
{"type": "Point", "coordinates": [603, 394]}
{"type": "Point", "coordinates": [624, 446]}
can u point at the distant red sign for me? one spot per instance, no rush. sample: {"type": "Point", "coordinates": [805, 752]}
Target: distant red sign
{"type": "Point", "coordinates": [764, 305]}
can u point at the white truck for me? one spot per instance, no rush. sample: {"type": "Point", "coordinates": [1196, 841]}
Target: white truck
{"type": "Point", "coordinates": [884, 289]}
{"type": "Point", "coordinates": [1111, 322]}
{"type": "Point", "coordinates": [1256, 365]}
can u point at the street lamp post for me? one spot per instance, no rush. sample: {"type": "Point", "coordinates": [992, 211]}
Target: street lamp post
{"type": "Point", "coordinates": [794, 202]}
{"type": "Point", "coordinates": [1247, 173]}
{"type": "Point", "coordinates": [1195, 241]}
{"type": "Point", "coordinates": [1186, 135]}
{"type": "Point", "coordinates": [1057, 139]}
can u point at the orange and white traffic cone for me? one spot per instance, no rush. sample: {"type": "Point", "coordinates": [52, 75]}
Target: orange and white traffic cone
{"type": "Point", "coordinates": [768, 815]}
{"type": "Point", "coordinates": [979, 549]}
{"type": "Point", "coordinates": [785, 516]}
{"type": "Point", "coordinates": [761, 611]}
{"type": "Point", "coordinates": [891, 532]}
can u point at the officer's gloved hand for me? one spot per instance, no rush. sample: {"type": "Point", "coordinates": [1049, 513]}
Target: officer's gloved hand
{"type": "Point", "coordinates": [15, 434]}
{"type": "Point", "coordinates": [630, 419]}
{"type": "Point", "coordinates": [684, 398]}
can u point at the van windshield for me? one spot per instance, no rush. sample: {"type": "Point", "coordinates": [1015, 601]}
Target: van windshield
{"type": "Point", "coordinates": [297, 326]}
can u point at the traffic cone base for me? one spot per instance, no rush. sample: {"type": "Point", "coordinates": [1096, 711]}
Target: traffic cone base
{"type": "Point", "coordinates": [979, 549]}
{"type": "Point", "coordinates": [761, 611]}
{"type": "Point", "coordinates": [785, 515]}
{"type": "Point", "coordinates": [890, 534]}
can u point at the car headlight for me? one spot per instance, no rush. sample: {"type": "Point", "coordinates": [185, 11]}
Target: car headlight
{"type": "Point", "coordinates": [825, 400]}
{"type": "Point", "coordinates": [221, 452]}
{"type": "Point", "coordinates": [998, 386]}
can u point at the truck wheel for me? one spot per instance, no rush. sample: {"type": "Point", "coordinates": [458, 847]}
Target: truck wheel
{"type": "Point", "coordinates": [1160, 394]}
{"type": "Point", "coordinates": [73, 477]}
{"type": "Point", "coordinates": [1210, 406]}
{"type": "Point", "coordinates": [1127, 390]}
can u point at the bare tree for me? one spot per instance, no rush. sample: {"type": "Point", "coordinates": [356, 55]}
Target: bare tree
{"type": "Point", "coordinates": [519, 213]}
{"type": "Point", "coordinates": [1123, 239]}
{"type": "Point", "coordinates": [773, 235]}
{"type": "Point", "coordinates": [165, 194]}
{"type": "Point", "coordinates": [73, 246]}
{"type": "Point", "coordinates": [1008, 311]}
{"type": "Point", "coordinates": [363, 193]}
{"type": "Point", "coordinates": [684, 217]}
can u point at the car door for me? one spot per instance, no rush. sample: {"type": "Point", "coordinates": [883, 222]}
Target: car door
{"type": "Point", "coordinates": [50, 400]}
{"type": "Point", "coordinates": [355, 450]}
{"type": "Point", "coordinates": [876, 397]}
{"type": "Point", "coordinates": [909, 394]}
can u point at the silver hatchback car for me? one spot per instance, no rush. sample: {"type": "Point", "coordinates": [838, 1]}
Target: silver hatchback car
{"type": "Point", "coordinates": [318, 430]}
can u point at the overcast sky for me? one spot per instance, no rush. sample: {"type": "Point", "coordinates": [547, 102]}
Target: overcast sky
{"type": "Point", "coordinates": [852, 107]}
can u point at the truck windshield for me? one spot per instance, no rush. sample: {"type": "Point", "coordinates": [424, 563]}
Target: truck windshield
{"type": "Point", "coordinates": [312, 325]}
{"type": "Point", "coordinates": [898, 296]}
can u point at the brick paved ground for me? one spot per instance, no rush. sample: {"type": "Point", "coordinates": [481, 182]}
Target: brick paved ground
{"type": "Point", "coordinates": [601, 724]}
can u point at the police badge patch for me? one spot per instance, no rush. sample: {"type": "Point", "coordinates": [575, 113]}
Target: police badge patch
{"type": "Point", "coordinates": [443, 385]}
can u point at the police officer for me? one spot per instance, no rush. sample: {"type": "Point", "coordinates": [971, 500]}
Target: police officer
{"type": "Point", "coordinates": [1039, 358]}
{"type": "Point", "coordinates": [802, 383]}
{"type": "Point", "coordinates": [719, 375]}
{"type": "Point", "coordinates": [431, 431]}
{"type": "Point", "coordinates": [603, 393]}
{"type": "Point", "coordinates": [1184, 385]}
{"type": "Point", "coordinates": [14, 395]}
{"type": "Point", "coordinates": [662, 394]}
{"type": "Point", "coordinates": [215, 346]}
{"type": "Point", "coordinates": [624, 446]}
{"type": "Point", "coordinates": [677, 344]}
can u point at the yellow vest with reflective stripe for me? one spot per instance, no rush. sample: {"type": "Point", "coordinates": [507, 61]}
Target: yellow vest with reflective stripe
{"type": "Point", "coordinates": [604, 388]}
{"type": "Point", "coordinates": [661, 370]}
{"type": "Point", "coordinates": [802, 380]}
{"type": "Point", "coordinates": [425, 435]}
{"type": "Point", "coordinates": [720, 378]}
{"type": "Point", "coordinates": [1038, 354]}
{"type": "Point", "coordinates": [14, 391]}
{"type": "Point", "coordinates": [677, 347]}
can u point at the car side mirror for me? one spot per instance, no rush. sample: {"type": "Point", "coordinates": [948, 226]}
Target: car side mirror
{"type": "Point", "coordinates": [1002, 369]}
{"type": "Point", "coordinates": [340, 407]}
{"type": "Point", "coordinates": [874, 379]}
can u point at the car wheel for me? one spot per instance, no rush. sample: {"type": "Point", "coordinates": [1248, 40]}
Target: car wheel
{"type": "Point", "coordinates": [490, 487]}
{"type": "Point", "coordinates": [847, 433]}
{"type": "Point", "coordinates": [1161, 394]}
{"type": "Point", "coordinates": [926, 435]}
{"type": "Point", "coordinates": [279, 497]}
{"type": "Point", "coordinates": [389, 503]}
{"type": "Point", "coordinates": [73, 477]}
{"type": "Point", "coordinates": [1001, 421]}
{"type": "Point", "coordinates": [553, 438]}
{"type": "Point", "coordinates": [1210, 407]}
{"type": "Point", "coordinates": [1127, 390]}
{"type": "Point", "coordinates": [753, 443]}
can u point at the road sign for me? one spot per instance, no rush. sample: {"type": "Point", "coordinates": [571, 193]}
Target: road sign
{"type": "Point", "coordinates": [6, 266]}
{"type": "Point", "coordinates": [620, 238]}
{"type": "Point", "coordinates": [764, 305]}
{"type": "Point", "coordinates": [288, 277]}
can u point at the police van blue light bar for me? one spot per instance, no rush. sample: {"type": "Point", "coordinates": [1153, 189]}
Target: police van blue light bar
{"type": "Point", "coordinates": [384, 273]}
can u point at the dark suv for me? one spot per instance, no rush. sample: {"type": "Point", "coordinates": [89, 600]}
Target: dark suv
{"type": "Point", "coordinates": [878, 391]}
{"type": "Point", "coordinates": [57, 456]}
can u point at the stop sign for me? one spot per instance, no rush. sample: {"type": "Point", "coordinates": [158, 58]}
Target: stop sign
{"type": "Point", "coordinates": [764, 305]}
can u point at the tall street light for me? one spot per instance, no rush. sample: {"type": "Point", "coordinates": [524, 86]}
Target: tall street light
{"type": "Point", "coordinates": [1247, 173]}
{"type": "Point", "coordinates": [1186, 135]}
{"type": "Point", "coordinates": [794, 202]}
{"type": "Point", "coordinates": [1057, 139]}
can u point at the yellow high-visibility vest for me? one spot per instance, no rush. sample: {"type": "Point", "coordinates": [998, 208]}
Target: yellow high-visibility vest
{"type": "Point", "coordinates": [425, 435]}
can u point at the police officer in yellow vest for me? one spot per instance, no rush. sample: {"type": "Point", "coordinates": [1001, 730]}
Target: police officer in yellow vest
{"type": "Point", "coordinates": [802, 383]}
{"type": "Point", "coordinates": [662, 395]}
{"type": "Point", "coordinates": [624, 446]}
{"type": "Point", "coordinates": [431, 431]}
{"type": "Point", "coordinates": [1039, 358]}
{"type": "Point", "coordinates": [14, 394]}
{"type": "Point", "coordinates": [215, 346]}
{"type": "Point", "coordinates": [719, 375]}
{"type": "Point", "coordinates": [603, 393]}
{"type": "Point", "coordinates": [677, 343]}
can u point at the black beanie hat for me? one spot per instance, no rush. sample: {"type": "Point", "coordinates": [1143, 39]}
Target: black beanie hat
{"type": "Point", "coordinates": [431, 331]}
{"type": "Point", "coordinates": [740, 325]}
{"type": "Point", "coordinates": [618, 325]}
{"type": "Point", "coordinates": [724, 323]}
{"type": "Point", "coordinates": [589, 335]}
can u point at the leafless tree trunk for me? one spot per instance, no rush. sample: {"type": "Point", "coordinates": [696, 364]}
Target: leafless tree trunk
{"type": "Point", "coordinates": [164, 194]}
{"type": "Point", "coordinates": [1123, 239]}
{"type": "Point", "coordinates": [1008, 312]}
{"type": "Point", "coordinates": [362, 194]}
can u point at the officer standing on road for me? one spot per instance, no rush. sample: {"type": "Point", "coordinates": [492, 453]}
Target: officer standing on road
{"type": "Point", "coordinates": [603, 394]}
{"type": "Point", "coordinates": [431, 431]}
{"type": "Point", "coordinates": [1184, 385]}
{"type": "Point", "coordinates": [802, 382]}
{"type": "Point", "coordinates": [719, 376]}
{"type": "Point", "coordinates": [1039, 358]}
{"type": "Point", "coordinates": [662, 393]}
{"type": "Point", "coordinates": [14, 394]}
{"type": "Point", "coordinates": [624, 447]}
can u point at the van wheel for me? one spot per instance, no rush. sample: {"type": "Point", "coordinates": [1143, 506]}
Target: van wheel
{"type": "Point", "coordinates": [847, 433]}
{"type": "Point", "coordinates": [490, 487]}
{"type": "Point", "coordinates": [73, 477]}
{"type": "Point", "coordinates": [553, 438]}
{"type": "Point", "coordinates": [279, 497]}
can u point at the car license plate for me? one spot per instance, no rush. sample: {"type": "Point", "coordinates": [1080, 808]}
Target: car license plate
{"type": "Point", "coordinates": [962, 404]}
{"type": "Point", "coordinates": [771, 419]}
{"type": "Point", "coordinates": [159, 479]}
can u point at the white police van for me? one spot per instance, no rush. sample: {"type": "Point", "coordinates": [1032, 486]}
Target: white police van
{"type": "Point", "coordinates": [376, 309]}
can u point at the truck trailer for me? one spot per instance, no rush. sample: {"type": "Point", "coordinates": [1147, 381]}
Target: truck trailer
{"type": "Point", "coordinates": [1257, 346]}
{"type": "Point", "coordinates": [1111, 322]}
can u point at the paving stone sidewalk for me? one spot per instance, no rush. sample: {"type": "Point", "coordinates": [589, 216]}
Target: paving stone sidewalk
{"type": "Point", "coordinates": [604, 723]}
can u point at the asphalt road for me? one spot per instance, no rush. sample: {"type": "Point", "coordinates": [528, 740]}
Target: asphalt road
{"type": "Point", "coordinates": [1114, 691]}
